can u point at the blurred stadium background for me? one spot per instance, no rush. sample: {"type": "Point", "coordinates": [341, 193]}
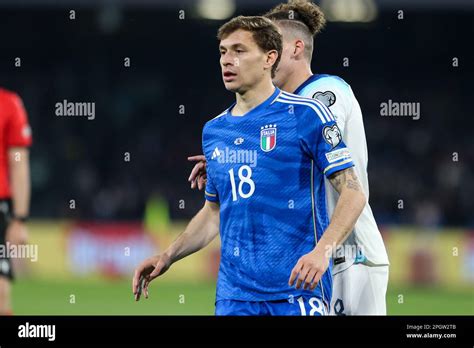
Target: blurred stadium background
{"type": "Point", "coordinates": [96, 213]}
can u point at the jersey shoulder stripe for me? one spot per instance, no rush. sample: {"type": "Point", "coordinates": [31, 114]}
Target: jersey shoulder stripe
{"type": "Point", "coordinates": [321, 105]}
{"type": "Point", "coordinates": [276, 98]}
{"type": "Point", "coordinates": [211, 123]}
{"type": "Point", "coordinates": [318, 109]}
{"type": "Point", "coordinates": [286, 101]}
{"type": "Point", "coordinates": [312, 106]}
{"type": "Point", "coordinates": [318, 103]}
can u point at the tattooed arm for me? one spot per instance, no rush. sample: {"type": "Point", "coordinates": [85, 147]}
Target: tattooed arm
{"type": "Point", "coordinates": [349, 206]}
{"type": "Point", "coordinates": [351, 202]}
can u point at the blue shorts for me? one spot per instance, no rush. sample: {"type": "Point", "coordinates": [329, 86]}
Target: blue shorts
{"type": "Point", "coordinates": [299, 306]}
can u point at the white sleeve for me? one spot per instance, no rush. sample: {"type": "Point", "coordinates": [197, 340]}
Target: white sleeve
{"type": "Point", "coordinates": [336, 94]}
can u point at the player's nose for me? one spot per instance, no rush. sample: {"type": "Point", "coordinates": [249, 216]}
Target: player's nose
{"type": "Point", "coordinates": [226, 59]}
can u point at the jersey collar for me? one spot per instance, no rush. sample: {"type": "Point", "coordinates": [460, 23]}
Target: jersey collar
{"type": "Point", "coordinates": [256, 110]}
{"type": "Point", "coordinates": [310, 79]}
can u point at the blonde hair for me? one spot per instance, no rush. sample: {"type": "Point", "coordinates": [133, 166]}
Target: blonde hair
{"type": "Point", "coordinates": [301, 16]}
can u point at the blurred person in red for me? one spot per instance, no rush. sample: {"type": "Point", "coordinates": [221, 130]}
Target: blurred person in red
{"type": "Point", "coordinates": [15, 139]}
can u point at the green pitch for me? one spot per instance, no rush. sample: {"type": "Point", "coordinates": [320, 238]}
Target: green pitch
{"type": "Point", "coordinates": [94, 297]}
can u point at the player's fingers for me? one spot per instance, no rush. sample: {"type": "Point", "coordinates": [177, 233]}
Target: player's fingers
{"type": "Point", "coordinates": [141, 285]}
{"type": "Point", "coordinates": [195, 171]}
{"type": "Point", "coordinates": [156, 272]}
{"type": "Point", "coordinates": [136, 277]}
{"type": "Point", "coordinates": [138, 291]}
{"type": "Point", "coordinates": [316, 279]}
{"type": "Point", "coordinates": [201, 182]}
{"type": "Point", "coordinates": [196, 158]}
{"type": "Point", "coordinates": [309, 278]}
{"type": "Point", "coordinates": [294, 273]}
{"type": "Point", "coordinates": [146, 282]}
{"type": "Point", "coordinates": [134, 286]}
{"type": "Point", "coordinates": [144, 289]}
{"type": "Point", "coordinates": [302, 276]}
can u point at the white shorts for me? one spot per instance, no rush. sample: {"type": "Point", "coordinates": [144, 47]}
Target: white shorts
{"type": "Point", "coordinates": [360, 290]}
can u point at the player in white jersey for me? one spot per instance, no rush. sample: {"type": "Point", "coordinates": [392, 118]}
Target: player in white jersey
{"type": "Point", "coordinates": [360, 272]}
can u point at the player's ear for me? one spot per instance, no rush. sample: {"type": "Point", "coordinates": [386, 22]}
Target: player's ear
{"type": "Point", "coordinates": [298, 48]}
{"type": "Point", "coordinates": [272, 57]}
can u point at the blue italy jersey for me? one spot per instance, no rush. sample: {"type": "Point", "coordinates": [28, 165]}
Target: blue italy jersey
{"type": "Point", "coordinates": [266, 170]}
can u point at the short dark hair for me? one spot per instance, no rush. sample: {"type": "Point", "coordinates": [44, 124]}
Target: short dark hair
{"type": "Point", "coordinates": [301, 15]}
{"type": "Point", "coordinates": [265, 33]}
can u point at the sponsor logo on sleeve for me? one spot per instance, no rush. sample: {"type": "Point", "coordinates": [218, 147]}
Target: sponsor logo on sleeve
{"type": "Point", "coordinates": [338, 155]}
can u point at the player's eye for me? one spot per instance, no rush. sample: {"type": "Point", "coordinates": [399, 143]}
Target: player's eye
{"type": "Point", "coordinates": [239, 51]}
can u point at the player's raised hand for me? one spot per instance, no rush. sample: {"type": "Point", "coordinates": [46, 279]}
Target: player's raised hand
{"type": "Point", "coordinates": [198, 175]}
{"type": "Point", "coordinates": [309, 269]}
{"type": "Point", "coordinates": [148, 270]}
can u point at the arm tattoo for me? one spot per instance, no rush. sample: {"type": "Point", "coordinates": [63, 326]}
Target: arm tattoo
{"type": "Point", "coordinates": [336, 180]}
{"type": "Point", "coordinates": [345, 177]}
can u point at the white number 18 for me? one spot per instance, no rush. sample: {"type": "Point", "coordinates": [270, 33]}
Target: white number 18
{"type": "Point", "coordinates": [243, 180]}
{"type": "Point", "coordinates": [315, 304]}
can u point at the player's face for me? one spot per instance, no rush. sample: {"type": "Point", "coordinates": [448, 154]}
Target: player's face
{"type": "Point", "coordinates": [242, 62]}
{"type": "Point", "coordinates": [284, 69]}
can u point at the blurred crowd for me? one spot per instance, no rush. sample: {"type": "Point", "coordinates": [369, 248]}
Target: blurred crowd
{"type": "Point", "coordinates": [149, 115]}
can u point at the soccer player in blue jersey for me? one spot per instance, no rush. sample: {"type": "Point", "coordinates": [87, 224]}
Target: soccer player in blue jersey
{"type": "Point", "coordinates": [360, 272]}
{"type": "Point", "coordinates": [267, 156]}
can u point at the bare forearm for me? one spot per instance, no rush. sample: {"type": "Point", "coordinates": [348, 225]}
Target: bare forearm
{"type": "Point", "coordinates": [20, 180]}
{"type": "Point", "coordinates": [201, 230]}
{"type": "Point", "coordinates": [349, 206]}
{"type": "Point", "coordinates": [347, 211]}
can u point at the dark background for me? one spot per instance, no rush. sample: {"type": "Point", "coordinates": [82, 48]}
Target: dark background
{"type": "Point", "coordinates": [175, 62]}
